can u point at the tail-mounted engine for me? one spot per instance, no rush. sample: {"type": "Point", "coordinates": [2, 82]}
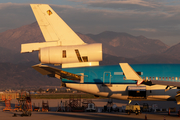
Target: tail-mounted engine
{"type": "Point", "coordinates": [71, 54]}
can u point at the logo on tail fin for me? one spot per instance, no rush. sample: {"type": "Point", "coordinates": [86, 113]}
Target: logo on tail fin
{"type": "Point", "coordinates": [49, 12]}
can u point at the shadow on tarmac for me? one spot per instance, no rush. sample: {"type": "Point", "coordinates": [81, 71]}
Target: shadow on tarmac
{"type": "Point", "coordinates": [93, 116]}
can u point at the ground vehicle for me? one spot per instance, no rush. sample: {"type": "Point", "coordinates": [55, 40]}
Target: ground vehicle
{"type": "Point", "coordinates": [123, 108]}
{"type": "Point", "coordinates": [109, 107]}
{"type": "Point", "coordinates": [154, 107]}
{"type": "Point", "coordinates": [133, 108]}
{"type": "Point", "coordinates": [114, 108]}
{"type": "Point", "coordinates": [90, 108]}
{"type": "Point", "coordinates": [145, 107]}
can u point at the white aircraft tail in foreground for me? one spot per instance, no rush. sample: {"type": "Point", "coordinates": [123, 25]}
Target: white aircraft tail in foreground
{"type": "Point", "coordinates": [63, 46]}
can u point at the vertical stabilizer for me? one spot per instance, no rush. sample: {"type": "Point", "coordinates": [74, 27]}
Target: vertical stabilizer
{"type": "Point", "coordinates": [53, 27]}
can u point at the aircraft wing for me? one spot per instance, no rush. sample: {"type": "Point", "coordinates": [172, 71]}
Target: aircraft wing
{"type": "Point", "coordinates": [53, 27]}
{"type": "Point", "coordinates": [168, 83]}
{"type": "Point", "coordinates": [54, 72]}
{"type": "Point", "coordinates": [130, 73]}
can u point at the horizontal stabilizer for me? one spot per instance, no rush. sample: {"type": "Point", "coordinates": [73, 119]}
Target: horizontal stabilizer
{"type": "Point", "coordinates": [130, 74]}
{"type": "Point", "coordinates": [54, 72]}
{"type": "Point", "coordinates": [30, 47]}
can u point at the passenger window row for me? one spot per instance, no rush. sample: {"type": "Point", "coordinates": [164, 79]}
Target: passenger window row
{"type": "Point", "coordinates": [161, 78]}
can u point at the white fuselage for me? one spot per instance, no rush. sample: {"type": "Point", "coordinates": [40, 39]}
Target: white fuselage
{"type": "Point", "coordinates": [120, 91]}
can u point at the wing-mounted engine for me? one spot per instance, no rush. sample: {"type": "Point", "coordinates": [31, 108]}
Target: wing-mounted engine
{"type": "Point", "coordinates": [177, 97]}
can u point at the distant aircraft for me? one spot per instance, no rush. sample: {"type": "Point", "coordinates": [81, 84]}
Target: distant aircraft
{"type": "Point", "coordinates": [81, 70]}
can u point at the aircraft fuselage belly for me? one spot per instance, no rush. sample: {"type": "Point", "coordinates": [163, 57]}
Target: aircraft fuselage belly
{"type": "Point", "coordinates": [120, 91]}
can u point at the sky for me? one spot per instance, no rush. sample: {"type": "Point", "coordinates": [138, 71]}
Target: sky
{"type": "Point", "coordinates": [156, 19]}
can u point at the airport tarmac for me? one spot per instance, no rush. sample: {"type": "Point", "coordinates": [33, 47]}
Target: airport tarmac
{"type": "Point", "coordinates": [91, 115]}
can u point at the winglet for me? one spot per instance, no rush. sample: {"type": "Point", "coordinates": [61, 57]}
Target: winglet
{"type": "Point", "coordinates": [130, 73]}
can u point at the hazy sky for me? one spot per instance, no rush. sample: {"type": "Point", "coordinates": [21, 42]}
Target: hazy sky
{"type": "Point", "coordinates": [158, 19]}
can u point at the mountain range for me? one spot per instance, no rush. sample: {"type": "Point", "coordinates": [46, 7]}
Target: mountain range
{"type": "Point", "coordinates": [117, 47]}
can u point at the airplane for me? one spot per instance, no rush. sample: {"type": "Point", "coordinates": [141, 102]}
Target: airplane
{"type": "Point", "coordinates": [81, 70]}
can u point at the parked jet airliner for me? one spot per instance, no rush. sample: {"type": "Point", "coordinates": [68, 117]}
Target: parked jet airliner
{"type": "Point", "coordinates": [81, 70]}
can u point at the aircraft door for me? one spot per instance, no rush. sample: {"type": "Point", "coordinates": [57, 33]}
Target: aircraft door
{"type": "Point", "coordinates": [107, 78]}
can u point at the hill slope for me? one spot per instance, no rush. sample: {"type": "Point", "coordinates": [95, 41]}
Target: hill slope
{"type": "Point", "coordinates": [126, 45]}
